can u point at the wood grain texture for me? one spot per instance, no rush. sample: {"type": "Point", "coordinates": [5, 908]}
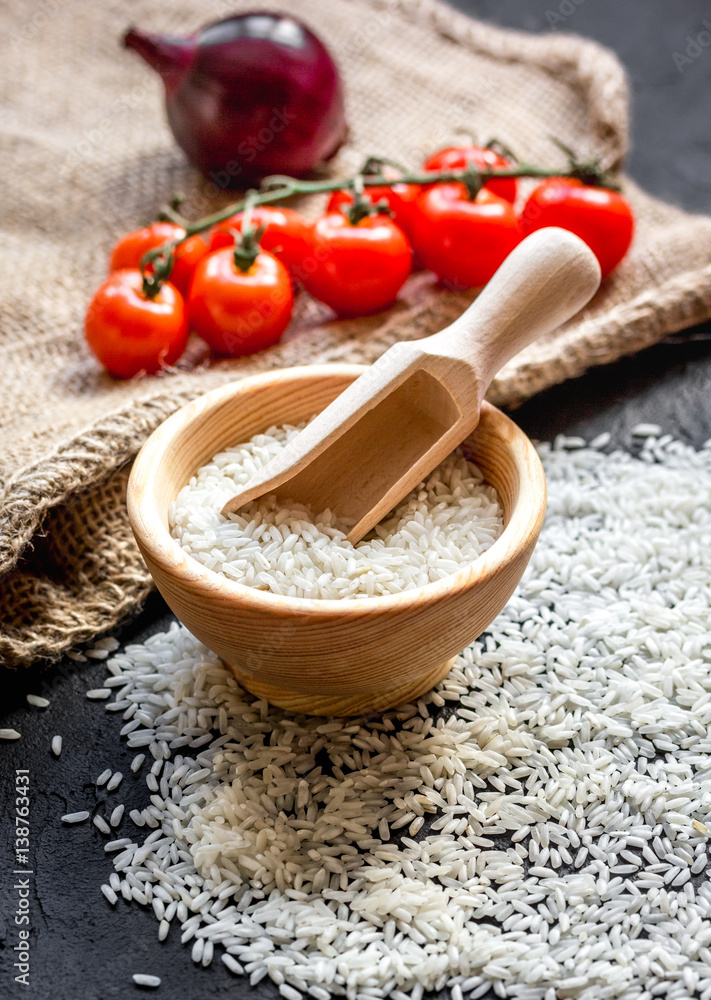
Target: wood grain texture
{"type": "Point", "coordinates": [389, 430]}
{"type": "Point", "coordinates": [337, 657]}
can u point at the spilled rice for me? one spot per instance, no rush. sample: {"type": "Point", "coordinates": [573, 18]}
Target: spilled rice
{"type": "Point", "coordinates": [538, 823]}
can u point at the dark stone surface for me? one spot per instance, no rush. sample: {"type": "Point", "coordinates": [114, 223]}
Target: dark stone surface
{"type": "Point", "coordinates": [671, 142]}
{"type": "Point", "coordinates": [81, 947]}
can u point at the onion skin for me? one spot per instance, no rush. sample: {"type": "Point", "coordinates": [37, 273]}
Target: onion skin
{"type": "Point", "coordinates": [250, 95]}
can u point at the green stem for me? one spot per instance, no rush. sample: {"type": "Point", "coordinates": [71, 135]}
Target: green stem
{"type": "Point", "coordinates": [162, 259]}
{"type": "Point", "coordinates": [362, 206]}
{"type": "Point", "coordinates": [170, 214]}
{"type": "Point", "coordinates": [280, 187]}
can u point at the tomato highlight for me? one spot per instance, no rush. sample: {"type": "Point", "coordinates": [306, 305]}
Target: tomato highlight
{"type": "Point", "coordinates": [130, 332]}
{"type": "Point", "coordinates": [361, 267]}
{"type": "Point", "coordinates": [462, 240]}
{"type": "Point", "coordinates": [238, 311]}
{"type": "Point", "coordinates": [480, 157]}
{"type": "Point", "coordinates": [602, 218]}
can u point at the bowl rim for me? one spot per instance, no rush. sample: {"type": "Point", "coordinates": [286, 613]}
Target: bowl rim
{"type": "Point", "coordinates": [152, 535]}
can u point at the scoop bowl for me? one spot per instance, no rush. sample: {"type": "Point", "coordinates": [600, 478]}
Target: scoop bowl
{"type": "Point", "coordinates": [327, 657]}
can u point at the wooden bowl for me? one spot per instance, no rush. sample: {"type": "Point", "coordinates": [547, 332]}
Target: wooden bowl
{"type": "Point", "coordinates": [327, 657]}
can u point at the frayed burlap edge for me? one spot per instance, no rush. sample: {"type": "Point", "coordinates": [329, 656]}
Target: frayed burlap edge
{"type": "Point", "coordinates": [589, 66]}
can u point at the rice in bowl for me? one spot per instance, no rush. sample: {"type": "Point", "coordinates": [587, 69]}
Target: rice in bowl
{"type": "Point", "coordinates": [443, 525]}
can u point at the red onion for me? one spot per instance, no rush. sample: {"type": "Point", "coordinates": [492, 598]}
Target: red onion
{"type": "Point", "coordinates": [251, 95]}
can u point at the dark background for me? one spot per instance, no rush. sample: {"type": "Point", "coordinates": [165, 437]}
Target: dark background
{"type": "Point", "coordinates": [82, 948]}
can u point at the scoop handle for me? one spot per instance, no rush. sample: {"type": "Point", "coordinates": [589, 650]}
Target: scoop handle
{"type": "Point", "coordinates": [544, 281]}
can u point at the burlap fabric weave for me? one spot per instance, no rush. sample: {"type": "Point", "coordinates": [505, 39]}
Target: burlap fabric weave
{"type": "Point", "coordinates": [87, 155]}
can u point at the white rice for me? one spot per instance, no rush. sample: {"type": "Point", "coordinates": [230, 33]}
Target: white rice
{"type": "Point", "coordinates": [97, 653]}
{"type": "Point", "coordinates": [37, 701]}
{"type": "Point", "coordinates": [117, 815]}
{"type": "Point", "coordinates": [646, 430]}
{"type": "Point", "coordinates": [117, 845]}
{"type": "Point", "coordinates": [99, 694]}
{"type": "Point", "coordinates": [142, 980]}
{"type": "Point", "coordinates": [447, 522]}
{"type": "Point", "coordinates": [109, 893]}
{"type": "Point", "coordinates": [101, 824]}
{"type": "Point", "coordinates": [10, 734]}
{"type": "Point", "coordinates": [56, 745]}
{"type": "Point", "coordinates": [110, 644]}
{"type": "Point", "coordinates": [560, 776]}
{"type": "Point", "coordinates": [114, 781]}
{"type": "Point", "coordinates": [76, 817]}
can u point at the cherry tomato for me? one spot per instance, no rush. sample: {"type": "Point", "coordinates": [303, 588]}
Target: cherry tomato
{"type": "Point", "coordinates": [287, 234]}
{"type": "Point", "coordinates": [129, 332]}
{"type": "Point", "coordinates": [130, 249]}
{"type": "Point", "coordinates": [600, 217]}
{"type": "Point", "coordinates": [463, 241]}
{"type": "Point", "coordinates": [359, 268]}
{"type": "Point", "coordinates": [239, 312]}
{"type": "Point", "coordinates": [400, 199]}
{"type": "Point", "coordinates": [458, 157]}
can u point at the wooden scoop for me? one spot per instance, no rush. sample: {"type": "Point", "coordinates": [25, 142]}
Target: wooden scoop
{"type": "Point", "coordinates": [388, 430]}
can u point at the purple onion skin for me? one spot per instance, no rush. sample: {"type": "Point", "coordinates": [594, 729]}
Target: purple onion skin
{"type": "Point", "coordinates": [251, 95]}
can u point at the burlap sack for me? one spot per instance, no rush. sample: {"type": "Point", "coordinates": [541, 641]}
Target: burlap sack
{"type": "Point", "coordinates": [87, 155]}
